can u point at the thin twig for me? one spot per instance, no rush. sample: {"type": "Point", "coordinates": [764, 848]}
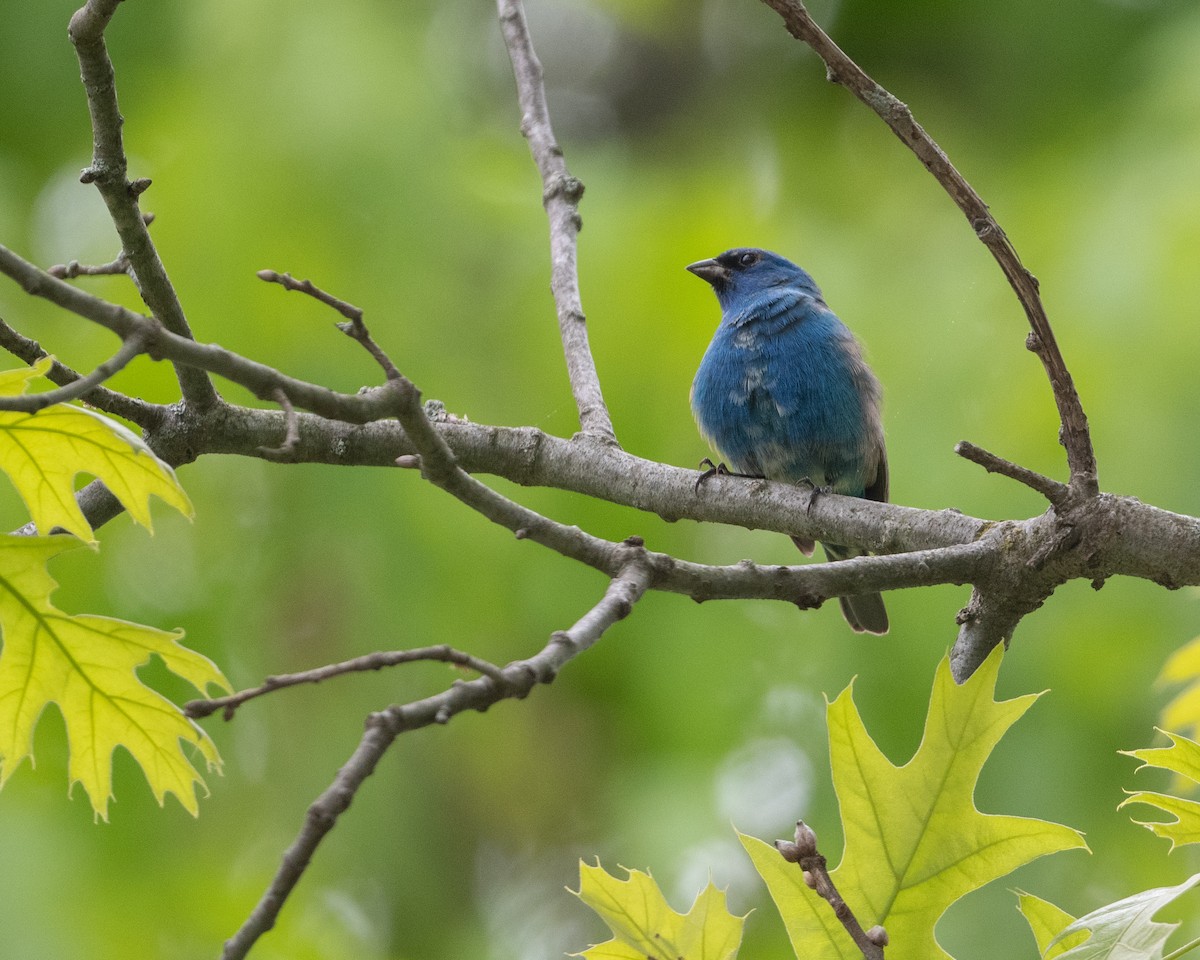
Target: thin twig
{"type": "Point", "coordinates": [288, 282]}
{"type": "Point", "coordinates": [515, 682]}
{"type": "Point", "coordinates": [803, 852]}
{"type": "Point", "coordinates": [145, 415]}
{"type": "Point", "coordinates": [33, 402]}
{"type": "Point", "coordinates": [73, 269]}
{"type": "Point", "coordinates": [108, 172]}
{"type": "Point", "coordinates": [118, 266]}
{"type": "Point", "coordinates": [560, 196]}
{"type": "Point", "coordinates": [357, 331]}
{"type": "Point", "coordinates": [806, 586]}
{"type": "Point", "coordinates": [286, 451]}
{"type": "Point", "coordinates": [1052, 490]}
{"type": "Point", "coordinates": [258, 378]}
{"type": "Point", "coordinates": [439, 466]}
{"type": "Point", "coordinates": [371, 661]}
{"type": "Point", "coordinates": [1075, 435]}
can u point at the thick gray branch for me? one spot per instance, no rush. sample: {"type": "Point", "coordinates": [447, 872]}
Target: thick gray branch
{"type": "Point", "coordinates": [1014, 565]}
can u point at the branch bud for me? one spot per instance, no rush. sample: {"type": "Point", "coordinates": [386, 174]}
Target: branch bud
{"type": "Point", "coordinates": [806, 839]}
{"type": "Point", "coordinates": [788, 850]}
{"type": "Point", "coordinates": [878, 936]}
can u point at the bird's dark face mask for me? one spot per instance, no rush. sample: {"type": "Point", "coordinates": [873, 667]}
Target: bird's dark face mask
{"type": "Point", "coordinates": [750, 269]}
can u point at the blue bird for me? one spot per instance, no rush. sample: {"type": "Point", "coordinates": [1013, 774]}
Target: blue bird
{"type": "Point", "coordinates": [784, 393]}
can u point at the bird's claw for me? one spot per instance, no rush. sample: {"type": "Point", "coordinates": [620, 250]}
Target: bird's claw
{"type": "Point", "coordinates": [720, 470]}
{"type": "Point", "coordinates": [713, 470]}
{"type": "Point", "coordinates": [816, 492]}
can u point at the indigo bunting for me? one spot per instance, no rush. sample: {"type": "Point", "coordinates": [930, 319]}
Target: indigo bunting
{"type": "Point", "coordinates": [783, 393]}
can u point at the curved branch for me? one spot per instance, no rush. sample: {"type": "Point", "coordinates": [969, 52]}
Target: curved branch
{"type": "Point", "coordinates": [286, 451]}
{"type": "Point", "coordinates": [108, 172]}
{"type": "Point", "coordinates": [1074, 433]}
{"type": "Point", "coordinates": [515, 682]}
{"type": "Point", "coordinates": [524, 455]}
{"type": "Point", "coordinates": [33, 402]}
{"type": "Point", "coordinates": [197, 709]}
{"type": "Point", "coordinates": [560, 196]}
{"type": "Point", "coordinates": [258, 378]}
{"type": "Point", "coordinates": [1095, 537]}
{"type": "Point", "coordinates": [145, 415]}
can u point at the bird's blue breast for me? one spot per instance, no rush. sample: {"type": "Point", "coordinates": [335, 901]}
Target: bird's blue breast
{"type": "Point", "coordinates": [782, 392]}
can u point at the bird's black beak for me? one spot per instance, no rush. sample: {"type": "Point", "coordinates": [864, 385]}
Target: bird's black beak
{"type": "Point", "coordinates": [713, 271]}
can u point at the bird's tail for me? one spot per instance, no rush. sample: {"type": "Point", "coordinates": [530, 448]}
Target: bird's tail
{"type": "Point", "coordinates": [864, 612]}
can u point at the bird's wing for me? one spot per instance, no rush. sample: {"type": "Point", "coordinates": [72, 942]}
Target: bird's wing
{"type": "Point", "coordinates": [878, 488]}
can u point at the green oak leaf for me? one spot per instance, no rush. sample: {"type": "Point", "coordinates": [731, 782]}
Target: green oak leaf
{"type": "Point", "coordinates": [87, 666]}
{"type": "Point", "coordinates": [1182, 757]}
{"type": "Point", "coordinates": [43, 452]}
{"type": "Point", "coordinates": [1183, 667]}
{"type": "Point", "coordinates": [646, 928]}
{"type": "Point", "coordinates": [915, 843]}
{"type": "Point", "coordinates": [1126, 929]}
{"type": "Point", "coordinates": [1046, 921]}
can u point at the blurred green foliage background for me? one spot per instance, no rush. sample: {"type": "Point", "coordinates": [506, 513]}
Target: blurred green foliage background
{"type": "Point", "coordinates": [373, 147]}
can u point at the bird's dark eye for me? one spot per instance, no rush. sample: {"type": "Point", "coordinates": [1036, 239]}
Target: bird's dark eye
{"type": "Point", "coordinates": [747, 259]}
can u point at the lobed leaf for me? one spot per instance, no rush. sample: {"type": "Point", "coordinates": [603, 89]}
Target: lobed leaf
{"type": "Point", "coordinates": [646, 928]}
{"type": "Point", "coordinates": [915, 842]}
{"type": "Point", "coordinates": [1183, 667]}
{"type": "Point", "coordinates": [1126, 929]}
{"type": "Point", "coordinates": [87, 665]}
{"type": "Point", "coordinates": [43, 452]}
{"type": "Point", "coordinates": [1046, 921]}
{"type": "Point", "coordinates": [1182, 757]}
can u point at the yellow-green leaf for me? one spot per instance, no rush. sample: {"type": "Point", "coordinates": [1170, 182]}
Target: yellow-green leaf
{"type": "Point", "coordinates": [1126, 930]}
{"type": "Point", "coordinates": [1046, 922]}
{"type": "Point", "coordinates": [87, 665]}
{"type": "Point", "coordinates": [1182, 757]}
{"type": "Point", "coordinates": [644, 925]}
{"type": "Point", "coordinates": [43, 452]}
{"type": "Point", "coordinates": [915, 842]}
{"type": "Point", "coordinates": [14, 383]}
{"type": "Point", "coordinates": [1183, 667]}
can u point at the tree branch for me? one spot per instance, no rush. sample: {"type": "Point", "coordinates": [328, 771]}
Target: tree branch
{"type": "Point", "coordinates": [196, 709]}
{"type": "Point", "coordinates": [33, 402]}
{"type": "Point", "coordinates": [560, 196]}
{"type": "Point", "coordinates": [1023, 576]}
{"type": "Point", "coordinates": [108, 172]}
{"type": "Point", "coordinates": [516, 681]}
{"type": "Point", "coordinates": [258, 378]}
{"type": "Point", "coordinates": [803, 852]}
{"type": "Point", "coordinates": [145, 415]}
{"type": "Point", "coordinates": [524, 455]}
{"type": "Point", "coordinates": [286, 451]}
{"type": "Point", "coordinates": [1057, 493]}
{"type": "Point", "coordinates": [1074, 432]}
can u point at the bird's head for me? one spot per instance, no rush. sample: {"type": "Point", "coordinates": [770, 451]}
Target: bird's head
{"type": "Point", "coordinates": [747, 271]}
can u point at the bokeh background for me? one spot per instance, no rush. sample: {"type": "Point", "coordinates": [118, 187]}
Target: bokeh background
{"type": "Point", "coordinates": [374, 147]}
